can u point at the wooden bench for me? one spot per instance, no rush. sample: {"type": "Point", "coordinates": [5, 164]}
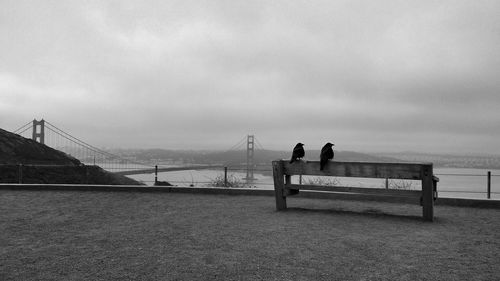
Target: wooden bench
{"type": "Point", "coordinates": [283, 187]}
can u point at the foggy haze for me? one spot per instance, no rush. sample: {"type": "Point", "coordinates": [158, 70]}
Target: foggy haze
{"type": "Point", "coordinates": [365, 75]}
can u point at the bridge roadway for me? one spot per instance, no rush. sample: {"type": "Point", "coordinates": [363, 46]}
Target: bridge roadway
{"type": "Point", "coordinates": [168, 169]}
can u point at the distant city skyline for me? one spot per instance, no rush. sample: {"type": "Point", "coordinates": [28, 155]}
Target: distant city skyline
{"type": "Point", "coordinates": [368, 76]}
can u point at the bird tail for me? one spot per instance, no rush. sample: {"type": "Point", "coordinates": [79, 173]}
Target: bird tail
{"type": "Point", "coordinates": [321, 165]}
{"type": "Point", "coordinates": [291, 160]}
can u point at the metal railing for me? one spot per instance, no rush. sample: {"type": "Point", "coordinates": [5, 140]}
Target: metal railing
{"type": "Point", "coordinates": [231, 176]}
{"type": "Point", "coordinates": [488, 183]}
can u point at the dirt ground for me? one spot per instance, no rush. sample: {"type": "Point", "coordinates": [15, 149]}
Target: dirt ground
{"type": "Point", "coordinates": [71, 235]}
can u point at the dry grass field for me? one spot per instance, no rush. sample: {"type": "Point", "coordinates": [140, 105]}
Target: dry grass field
{"type": "Point", "coordinates": [70, 235]}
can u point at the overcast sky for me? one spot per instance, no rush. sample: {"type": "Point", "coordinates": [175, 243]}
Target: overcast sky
{"type": "Point", "coordinates": [366, 75]}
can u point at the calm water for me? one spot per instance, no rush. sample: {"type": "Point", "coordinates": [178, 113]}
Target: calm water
{"type": "Point", "coordinates": [467, 183]}
{"type": "Point", "coordinates": [454, 182]}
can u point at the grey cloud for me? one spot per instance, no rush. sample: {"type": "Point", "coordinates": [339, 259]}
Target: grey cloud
{"type": "Point", "coordinates": [379, 75]}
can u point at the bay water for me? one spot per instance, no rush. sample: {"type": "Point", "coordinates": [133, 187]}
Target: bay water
{"type": "Point", "coordinates": [453, 182]}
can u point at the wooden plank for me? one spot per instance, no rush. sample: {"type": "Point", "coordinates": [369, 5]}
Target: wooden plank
{"type": "Point", "coordinates": [376, 191]}
{"type": "Point", "coordinates": [411, 171]}
{"type": "Point", "coordinates": [279, 185]}
{"type": "Point", "coordinates": [358, 197]}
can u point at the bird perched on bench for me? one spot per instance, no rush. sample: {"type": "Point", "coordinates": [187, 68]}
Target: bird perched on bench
{"type": "Point", "coordinates": [326, 154]}
{"type": "Point", "coordinates": [298, 152]}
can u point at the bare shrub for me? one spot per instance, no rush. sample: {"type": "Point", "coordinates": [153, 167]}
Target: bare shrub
{"type": "Point", "coordinates": [232, 181]}
{"type": "Point", "coordinates": [400, 184]}
{"type": "Point", "coordinates": [327, 181]}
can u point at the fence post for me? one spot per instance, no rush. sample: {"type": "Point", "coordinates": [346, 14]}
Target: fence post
{"type": "Point", "coordinates": [489, 184]}
{"type": "Point", "coordinates": [386, 183]}
{"type": "Point", "coordinates": [156, 174]}
{"type": "Point", "coordinates": [225, 176]}
{"type": "Point", "coordinates": [20, 173]}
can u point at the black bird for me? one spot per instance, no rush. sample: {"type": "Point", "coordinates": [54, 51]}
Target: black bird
{"type": "Point", "coordinates": [298, 152]}
{"type": "Point", "coordinates": [326, 154]}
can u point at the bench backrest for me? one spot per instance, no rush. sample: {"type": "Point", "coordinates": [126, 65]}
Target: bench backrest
{"type": "Point", "coordinates": [411, 171]}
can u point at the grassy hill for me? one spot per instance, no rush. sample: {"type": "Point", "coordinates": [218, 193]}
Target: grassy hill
{"type": "Point", "coordinates": [43, 164]}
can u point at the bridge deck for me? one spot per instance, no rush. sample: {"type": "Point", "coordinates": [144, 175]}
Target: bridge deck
{"type": "Point", "coordinates": [168, 169]}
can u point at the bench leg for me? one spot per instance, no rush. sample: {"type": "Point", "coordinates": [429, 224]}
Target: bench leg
{"type": "Point", "coordinates": [428, 194]}
{"type": "Point", "coordinates": [280, 199]}
{"type": "Point", "coordinates": [279, 185]}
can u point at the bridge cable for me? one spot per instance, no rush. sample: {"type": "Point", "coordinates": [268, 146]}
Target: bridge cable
{"type": "Point", "coordinates": [88, 146]}
{"type": "Point", "coordinates": [259, 144]}
{"type": "Point", "coordinates": [23, 127]}
{"type": "Point", "coordinates": [238, 144]}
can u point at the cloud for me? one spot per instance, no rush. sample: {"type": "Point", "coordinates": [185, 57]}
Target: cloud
{"type": "Point", "coordinates": [372, 75]}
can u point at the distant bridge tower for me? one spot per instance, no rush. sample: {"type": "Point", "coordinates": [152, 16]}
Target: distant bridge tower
{"type": "Point", "coordinates": [250, 162]}
{"type": "Point", "coordinates": [39, 135]}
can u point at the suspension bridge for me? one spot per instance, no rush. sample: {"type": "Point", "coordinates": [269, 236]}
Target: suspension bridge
{"type": "Point", "coordinates": [48, 134]}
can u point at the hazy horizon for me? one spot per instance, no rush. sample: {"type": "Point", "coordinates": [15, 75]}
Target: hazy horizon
{"type": "Point", "coordinates": [314, 149]}
{"type": "Point", "coordinates": [368, 76]}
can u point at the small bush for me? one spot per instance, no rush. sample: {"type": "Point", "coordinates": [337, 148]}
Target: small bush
{"type": "Point", "coordinates": [327, 181]}
{"type": "Point", "coordinates": [232, 181]}
{"type": "Point", "coordinates": [400, 184]}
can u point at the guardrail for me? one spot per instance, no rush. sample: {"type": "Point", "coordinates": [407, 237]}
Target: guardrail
{"type": "Point", "coordinates": [481, 185]}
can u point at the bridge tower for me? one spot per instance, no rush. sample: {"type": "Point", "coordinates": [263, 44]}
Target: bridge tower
{"type": "Point", "coordinates": [39, 135]}
{"type": "Point", "coordinates": [250, 153]}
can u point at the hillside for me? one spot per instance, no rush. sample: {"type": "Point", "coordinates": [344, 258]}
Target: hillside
{"type": "Point", "coordinates": [15, 149]}
{"type": "Point", "coordinates": [43, 164]}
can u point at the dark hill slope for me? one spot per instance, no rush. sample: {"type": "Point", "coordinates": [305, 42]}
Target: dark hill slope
{"type": "Point", "coordinates": [15, 149]}
{"type": "Point", "coordinates": [43, 164]}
